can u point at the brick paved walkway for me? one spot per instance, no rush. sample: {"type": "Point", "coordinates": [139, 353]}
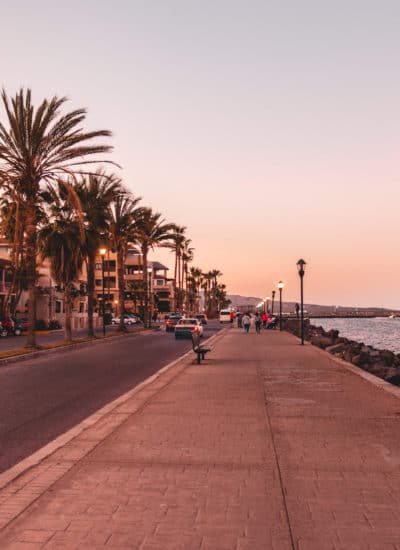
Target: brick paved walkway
{"type": "Point", "coordinates": [266, 445]}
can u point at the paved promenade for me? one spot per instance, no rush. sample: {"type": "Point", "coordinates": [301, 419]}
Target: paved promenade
{"type": "Point", "coordinates": [266, 445]}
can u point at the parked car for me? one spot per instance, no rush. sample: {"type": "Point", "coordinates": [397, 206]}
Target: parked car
{"type": "Point", "coordinates": [6, 326]}
{"type": "Point", "coordinates": [135, 318]}
{"type": "Point", "coordinates": [20, 326]}
{"type": "Point", "coordinates": [185, 327]}
{"type": "Point", "coordinates": [171, 322]}
{"type": "Point", "coordinates": [202, 318]}
{"type": "Point", "coordinates": [128, 320]}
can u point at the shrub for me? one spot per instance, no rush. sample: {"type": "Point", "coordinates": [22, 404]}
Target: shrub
{"type": "Point", "coordinates": [41, 324]}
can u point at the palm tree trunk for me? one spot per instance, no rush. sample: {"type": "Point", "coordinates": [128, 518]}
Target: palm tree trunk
{"type": "Point", "coordinates": [31, 242]}
{"type": "Point", "coordinates": [121, 286]}
{"type": "Point", "coordinates": [175, 281]}
{"type": "Point", "coordinates": [146, 287]}
{"type": "Point", "coordinates": [68, 313]}
{"type": "Point", "coordinates": [90, 293]}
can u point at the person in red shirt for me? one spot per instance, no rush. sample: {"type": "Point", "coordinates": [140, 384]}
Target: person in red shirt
{"type": "Point", "coordinates": [265, 319]}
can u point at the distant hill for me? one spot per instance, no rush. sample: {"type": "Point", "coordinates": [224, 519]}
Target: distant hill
{"type": "Point", "coordinates": [312, 309]}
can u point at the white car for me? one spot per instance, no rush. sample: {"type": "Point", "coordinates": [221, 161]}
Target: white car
{"type": "Point", "coordinates": [185, 327]}
{"type": "Point", "coordinates": [128, 320]}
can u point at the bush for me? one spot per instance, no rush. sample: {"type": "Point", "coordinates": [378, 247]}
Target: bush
{"type": "Point", "coordinates": [54, 325]}
{"type": "Point", "coordinates": [41, 324]}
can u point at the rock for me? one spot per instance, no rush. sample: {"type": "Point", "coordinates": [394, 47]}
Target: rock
{"type": "Point", "coordinates": [394, 379]}
{"type": "Point", "coordinates": [391, 372]}
{"type": "Point", "coordinates": [355, 360]}
{"type": "Point", "coordinates": [321, 341]}
{"type": "Point", "coordinates": [388, 357]}
{"type": "Point", "coordinates": [336, 348]}
{"type": "Point", "coordinates": [377, 369]}
{"type": "Point", "coordinates": [333, 334]}
{"type": "Point", "coordinates": [361, 359]}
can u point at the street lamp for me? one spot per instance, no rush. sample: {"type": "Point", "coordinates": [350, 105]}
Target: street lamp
{"type": "Point", "coordinates": [103, 304]}
{"type": "Point", "coordinates": [280, 287]}
{"type": "Point", "coordinates": [300, 268]}
{"type": "Point", "coordinates": [273, 299]}
{"type": "Point", "coordinates": [266, 301]}
{"type": "Point", "coordinates": [149, 297]}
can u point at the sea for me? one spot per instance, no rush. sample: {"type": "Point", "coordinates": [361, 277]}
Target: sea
{"type": "Point", "coordinates": [379, 332]}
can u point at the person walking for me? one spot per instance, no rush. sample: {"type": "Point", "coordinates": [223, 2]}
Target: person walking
{"type": "Point", "coordinates": [246, 322]}
{"type": "Point", "coordinates": [239, 319]}
{"type": "Point", "coordinates": [264, 318]}
{"type": "Point", "coordinates": [257, 322]}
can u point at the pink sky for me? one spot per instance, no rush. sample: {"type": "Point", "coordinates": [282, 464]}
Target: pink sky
{"type": "Point", "coordinates": [269, 129]}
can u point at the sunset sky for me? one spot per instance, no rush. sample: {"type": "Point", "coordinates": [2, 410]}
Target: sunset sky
{"type": "Point", "coordinates": [271, 129]}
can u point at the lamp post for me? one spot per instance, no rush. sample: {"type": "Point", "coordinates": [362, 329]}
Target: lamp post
{"type": "Point", "coordinates": [300, 268]}
{"type": "Point", "coordinates": [149, 297]}
{"type": "Point", "coordinates": [280, 287]}
{"type": "Point", "coordinates": [103, 304]}
{"type": "Point", "coordinates": [273, 299]}
{"type": "Point", "coordinates": [266, 301]}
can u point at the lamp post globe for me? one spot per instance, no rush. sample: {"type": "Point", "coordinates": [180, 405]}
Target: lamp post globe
{"type": "Point", "coordinates": [280, 288]}
{"type": "Point", "coordinates": [300, 268]}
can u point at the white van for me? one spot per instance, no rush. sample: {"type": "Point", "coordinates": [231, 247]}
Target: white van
{"type": "Point", "coordinates": [225, 316]}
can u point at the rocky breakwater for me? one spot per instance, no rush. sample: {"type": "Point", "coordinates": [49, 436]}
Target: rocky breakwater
{"type": "Point", "coordinates": [382, 363]}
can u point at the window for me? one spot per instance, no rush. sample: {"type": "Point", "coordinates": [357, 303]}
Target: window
{"type": "Point", "coordinates": [159, 282]}
{"type": "Point", "coordinates": [58, 306]}
{"type": "Point", "coordinates": [81, 307]}
{"type": "Point", "coordinates": [97, 267]}
{"type": "Point", "coordinates": [98, 282]}
{"type": "Point", "coordinates": [109, 265]}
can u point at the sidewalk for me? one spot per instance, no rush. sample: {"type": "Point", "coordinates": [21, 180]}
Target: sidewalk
{"type": "Point", "coordinates": [265, 445]}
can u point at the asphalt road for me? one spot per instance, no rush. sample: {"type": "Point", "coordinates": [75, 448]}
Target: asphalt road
{"type": "Point", "coordinates": [44, 397]}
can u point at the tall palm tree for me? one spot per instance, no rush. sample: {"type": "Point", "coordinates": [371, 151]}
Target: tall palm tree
{"type": "Point", "coordinates": [122, 228]}
{"type": "Point", "coordinates": [151, 231]}
{"type": "Point", "coordinates": [61, 243]}
{"type": "Point", "coordinates": [187, 257]}
{"type": "Point", "coordinates": [40, 146]}
{"type": "Point", "coordinates": [176, 245]}
{"type": "Point", "coordinates": [96, 192]}
{"type": "Point", "coordinates": [197, 277]}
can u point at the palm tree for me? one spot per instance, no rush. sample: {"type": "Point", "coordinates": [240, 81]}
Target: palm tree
{"type": "Point", "coordinates": [39, 148]}
{"type": "Point", "coordinates": [197, 277]}
{"type": "Point", "coordinates": [122, 231]}
{"type": "Point", "coordinates": [12, 230]}
{"type": "Point", "coordinates": [61, 242]}
{"type": "Point", "coordinates": [187, 257]}
{"type": "Point", "coordinates": [176, 245]}
{"type": "Point", "coordinates": [151, 231]}
{"type": "Point", "coordinates": [96, 192]}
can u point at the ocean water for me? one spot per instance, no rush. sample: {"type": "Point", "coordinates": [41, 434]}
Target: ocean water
{"type": "Point", "coordinates": [379, 332]}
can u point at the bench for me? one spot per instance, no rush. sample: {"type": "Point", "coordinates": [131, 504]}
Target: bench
{"type": "Point", "coordinates": [198, 348]}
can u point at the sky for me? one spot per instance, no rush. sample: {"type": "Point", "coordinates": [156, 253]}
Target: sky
{"type": "Point", "coordinates": [271, 129]}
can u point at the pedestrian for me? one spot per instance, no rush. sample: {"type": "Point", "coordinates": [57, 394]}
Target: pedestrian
{"type": "Point", "coordinates": [239, 319]}
{"type": "Point", "coordinates": [257, 322]}
{"type": "Point", "coordinates": [264, 318]}
{"type": "Point", "coordinates": [246, 322]}
{"type": "Point", "coordinates": [231, 317]}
